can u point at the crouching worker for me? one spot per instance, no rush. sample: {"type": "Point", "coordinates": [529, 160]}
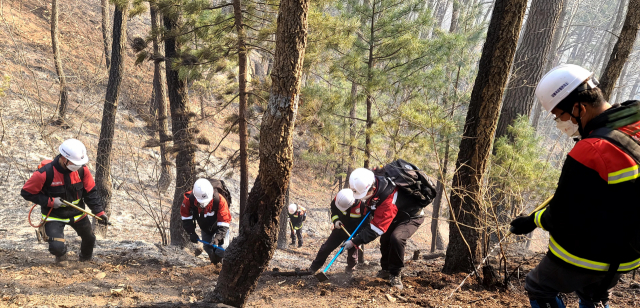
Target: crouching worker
{"type": "Point", "coordinates": [297, 214]}
{"type": "Point", "coordinates": [210, 209]}
{"type": "Point", "coordinates": [66, 178]}
{"type": "Point", "coordinates": [346, 214]}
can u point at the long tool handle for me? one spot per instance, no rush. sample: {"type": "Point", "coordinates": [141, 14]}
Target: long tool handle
{"type": "Point", "coordinates": [214, 246]}
{"type": "Point", "coordinates": [79, 209]}
{"type": "Point", "coordinates": [347, 232]}
{"type": "Point", "coordinates": [540, 207]}
{"type": "Point", "coordinates": [342, 248]}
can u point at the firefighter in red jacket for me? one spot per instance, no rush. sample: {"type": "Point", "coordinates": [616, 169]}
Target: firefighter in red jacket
{"type": "Point", "coordinates": [396, 218]}
{"type": "Point", "coordinates": [211, 210]}
{"type": "Point", "coordinates": [66, 178]}
{"type": "Point", "coordinates": [346, 212]}
{"type": "Point", "coordinates": [592, 216]}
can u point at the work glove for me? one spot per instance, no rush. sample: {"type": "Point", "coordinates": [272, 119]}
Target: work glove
{"type": "Point", "coordinates": [523, 225]}
{"type": "Point", "coordinates": [194, 237]}
{"type": "Point", "coordinates": [104, 220]}
{"type": "Point", "coordinates": [348, 245]}
{"type": "Point", "coordinates": [214, 242]}
{"type": "Point", "coordinates": [338, 224]}
{"type": "Point", "coordinates": [57, 202]}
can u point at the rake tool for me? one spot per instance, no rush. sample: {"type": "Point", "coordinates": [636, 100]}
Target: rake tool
{"type": "Point", "coordinates": [81, 209]}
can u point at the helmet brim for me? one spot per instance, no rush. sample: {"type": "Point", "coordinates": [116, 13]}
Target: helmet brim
{"type": "Point", "coordinates": [357, 195]}
{"type": "Point", "coordinates": [79, 162]}
{"type": "Point", "coordinates": [206, 201]}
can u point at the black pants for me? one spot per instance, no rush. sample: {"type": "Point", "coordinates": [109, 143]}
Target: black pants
{"type": "Point", "coordinates": [55, 232]}
{"type": "Point", "coordinates": [208, 237]}
{"type": "Point", "coordinates": [393, 242]}
{"type": "Point", "coordinates": [336, 238]}
{"type": "Point", "coordinates": [295, 233]}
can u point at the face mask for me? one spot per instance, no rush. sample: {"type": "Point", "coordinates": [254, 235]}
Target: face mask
{"type": "Point", "coordinates": [568, 128]}
{"type": "Point", "coordinates": [202, 205]}
{"type": "Point", "coordinates": [73, 167]}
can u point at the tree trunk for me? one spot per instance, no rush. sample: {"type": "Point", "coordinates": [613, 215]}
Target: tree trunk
{"type": "Point", "coordinates": [440, 191]}
{"type": "Point", "coordinates": [455, 16]}
{"type": "Point", "coordinates": [495, 64]}
{"type": "Point", "coordinates": [622, 49]}
{"type": "Point", "coordinates": [259, 224]}
{"type": "Point", "coordinates": [106, 36]}
{"type": "Point", "coordinates": [105, 144]}
{"type": "Point", "coordinates": [160, 103]}
{"type": "Point", "coordinates": [369, 101]}
{"type": "Point", "coordinates": [55, 44]}
{"type": "Point", "coordinates": [529, 62]}
{"type": "Point", "coordinates": [242, 117]}
{"type": "Point", "coordinates": [612, 36]}
{"type": "Point", "coordinates": [181, 127]}
{"type": "Point", "coordinates": [283, 240]}
{"type": "Point", "coordinates": [352, 132]}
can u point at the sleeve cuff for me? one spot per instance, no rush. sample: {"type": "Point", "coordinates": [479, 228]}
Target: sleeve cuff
{"type": "Point", "coordinates": [537, 217]}
{"type": "Point", "coordinates": [223, 224]}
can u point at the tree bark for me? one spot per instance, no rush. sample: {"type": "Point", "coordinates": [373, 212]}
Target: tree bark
{"type": "Point", "coordinates": [160, 103]}
{"type": "Point", "coordinates": [259, 224]}
{"type": "Point", "coordinates": [622, 49]}
{"type": "Point", "coordinates": [455, 16]}
{"type": "Point", "coordinates": [612, 36]}
{"type": "Point", "coordinates": [106, 36]}
{"type": "Point", "coordinates": [105, 144]}
{"type": "Point", "coordinates": [181, 126]}
{"type": "Point", "coordinates": [55, 44]}
{"type": "Point", "coordinates": [283, 239]}
{"type": "Point", "coordinates": [352, 132]}
{"type": "Point", "coordinates": [529, 63]}
{"type": "Point", "coordinates": [242, 117]}
{"type": "Point", "coordinates": [369, 100]}
{"type": "Point", "coordinates": [464, 246]}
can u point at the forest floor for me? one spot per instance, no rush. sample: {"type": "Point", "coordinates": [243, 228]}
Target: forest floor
{"type": "Point", "coordinates": [131, 268]}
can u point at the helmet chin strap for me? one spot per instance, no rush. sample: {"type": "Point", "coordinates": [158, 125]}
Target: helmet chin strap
{"type": "Point", "coordinates": [580, 128]}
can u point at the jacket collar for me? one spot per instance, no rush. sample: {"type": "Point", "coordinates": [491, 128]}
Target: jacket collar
{"type": "Point", "coordinates": [615, 117]}
{"type": "Point", "coordinates": [59, 167]}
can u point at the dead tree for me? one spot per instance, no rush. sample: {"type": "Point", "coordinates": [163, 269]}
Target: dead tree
{"type": "Point", "coordinates": [242, 106]}
{"type": "Point", "coordinates": [106, 36]}
{"type": "Point", "coordinates": [495, 64]}
{"type": "Point", "coordinates": [259, 223]}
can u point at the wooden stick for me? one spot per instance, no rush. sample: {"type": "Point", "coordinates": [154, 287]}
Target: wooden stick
{"type": "Point", "coordinates": [80, 209]}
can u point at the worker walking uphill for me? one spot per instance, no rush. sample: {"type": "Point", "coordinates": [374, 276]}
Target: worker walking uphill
{"type": "Point", "coordinates": [396, 218]}
{"type": "Point", "coordinates": [208, 206]}
{"type": "Point", "coordinates": [297, 214]}
{"type": "Point", "coordinates": [66, 178]}
{"type": "Point", "coordinates": [346, 214]}
{"type": "Point", "coordinates": [592, 218]}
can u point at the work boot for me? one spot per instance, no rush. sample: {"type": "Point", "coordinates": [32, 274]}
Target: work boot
{"type": "Point", "coordinates": [396, 281]}
{"type": "Point", "coordinates": [349, 269]}
{"type": "Point", "coordinates": [384, 274]}
{"type": "Point", "coordinates": [62, 260]}
{"type": "Point", "coordinates": [293, 242]}
{"type": "Point", "coordinates": [299, 244]}
{"type": "Point", "coordinates": [82, 258]}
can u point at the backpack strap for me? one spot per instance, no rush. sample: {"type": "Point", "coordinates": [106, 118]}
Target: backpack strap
{"type": "Point", "coordinates": [81, 173]}
{"type": "Point", "coordinates": [621, 140]}
{"type": "Point", "coordinates": [48, 168]}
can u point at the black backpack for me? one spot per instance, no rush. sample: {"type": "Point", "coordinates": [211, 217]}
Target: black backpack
{"type": "Point", "coordinates": [631, 147]}
{"type": "Point", "coordinates": [220, 188]}
{"type": "Point", "coordinates": [410, 180]}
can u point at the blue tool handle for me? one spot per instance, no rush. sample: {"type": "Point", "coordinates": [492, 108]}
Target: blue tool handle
{"type": "Point", "coordinates": [341, 249]}
{"type": "Point", "coordinates": [214, 246]}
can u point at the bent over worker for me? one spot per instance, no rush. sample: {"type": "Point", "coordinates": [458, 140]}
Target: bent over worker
{"type": "Point", "coordinates": [211, 210]}
{"type": "Point", "coordinates": [346, 214]}
{"type": "Point", "coordinates": [592, 216]}
{"type": "Point", "coordinates": [66, 178]}
{"type": "Point", "coordinates": [396, 218]}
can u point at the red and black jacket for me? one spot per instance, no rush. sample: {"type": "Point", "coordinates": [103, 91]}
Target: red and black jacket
{"type": "Point", "coordinates": [53, 180]}
{"type": "Point", "coordinates": [213, 219]}
{"type": "Point", "coordinates": [597, 202]}
{"type": "Point", "coordinates": [351, 217]}
{"type": "Point", "coordinates": [388, 205]}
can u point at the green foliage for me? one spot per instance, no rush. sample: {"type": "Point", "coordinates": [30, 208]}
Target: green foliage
{"type": "Point", "coordinates": [520, 170]}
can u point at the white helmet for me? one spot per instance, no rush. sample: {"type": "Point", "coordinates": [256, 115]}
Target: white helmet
{"type": "Point", "coordinates": [203, 191]}
{"type": "Point", "coordinates": [292, 208]}
{"type": "Point", "coordinates": [345, 199]}
{"type": "Point", "coordinates": [360, 181]}
{"type": "Point", "coordinates": [74, 151]}
{"type": "Point", "coordinates": [559, 82]}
